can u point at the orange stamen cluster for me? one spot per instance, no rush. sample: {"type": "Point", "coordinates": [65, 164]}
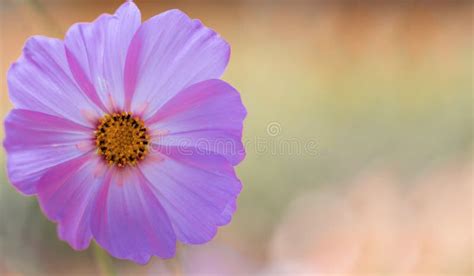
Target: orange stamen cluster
{"type": "Point", "coordinates": [122, 139]}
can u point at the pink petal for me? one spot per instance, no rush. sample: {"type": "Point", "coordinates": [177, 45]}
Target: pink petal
{"type": "Point", "coordinates": [66, 194]}
{"type": "Point", "coordinates": [40, 80]}
{"type": "Point", "coordinates": [96, 53]}
{"type": "Point", "coordinates": [169, 52]}
{"type": "Point", "coordinates": [195, 191]}
{"type": "Point", "coordinates": [128, 220]}
{"type": "Point", "coordinates": [36, 142]}
{"type": "Point", "coordinates": [207, 116]}
{"type": "Point", "coordinates": [228, 212]}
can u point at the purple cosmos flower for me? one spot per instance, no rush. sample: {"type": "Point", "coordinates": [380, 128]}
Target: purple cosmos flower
{"type": "Point", "coordinates": [125, 133]}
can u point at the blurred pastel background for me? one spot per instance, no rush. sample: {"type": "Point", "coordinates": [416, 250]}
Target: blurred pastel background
{"type": "Point", "coordinates": [359, 140]}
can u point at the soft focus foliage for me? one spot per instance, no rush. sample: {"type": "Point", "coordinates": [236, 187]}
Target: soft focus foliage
{"type": "Point", "coordinates": [385, 93]}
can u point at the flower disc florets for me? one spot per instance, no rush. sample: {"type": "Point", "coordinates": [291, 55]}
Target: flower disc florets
{"type": "Point", "coordinates": [122, 139]}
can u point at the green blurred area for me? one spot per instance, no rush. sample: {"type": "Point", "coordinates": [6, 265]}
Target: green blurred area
{"type": "Point", "coordinates": [387, 85]}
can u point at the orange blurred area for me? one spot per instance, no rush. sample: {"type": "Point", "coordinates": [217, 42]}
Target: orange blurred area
{"type": "Point", "coordinates": [358, 137]}
{"type": "Point", "coordinates": [379, 225]}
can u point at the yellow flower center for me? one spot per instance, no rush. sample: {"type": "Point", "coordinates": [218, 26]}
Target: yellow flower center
{"type": "Point", "coordinates": [122, 139]}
